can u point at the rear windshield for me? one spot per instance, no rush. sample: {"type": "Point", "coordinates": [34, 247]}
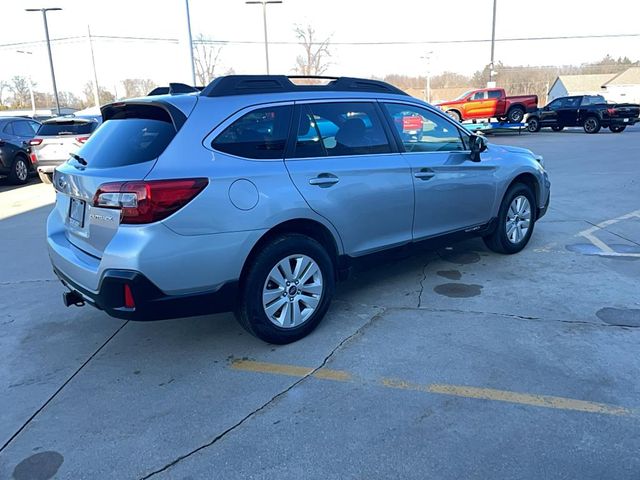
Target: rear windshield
{"type": "Point", "coordinates": [126, 141]}
{"type": "Point", "coordinates": [67, 128]}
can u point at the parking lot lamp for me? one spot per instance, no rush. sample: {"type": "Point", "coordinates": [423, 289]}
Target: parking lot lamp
{"type": "Point", "coordinates": [264, 4]}
{"type": "Point", "coordinates": [46, 32]}
{"type": "Point", "coordinates": [493, 41]}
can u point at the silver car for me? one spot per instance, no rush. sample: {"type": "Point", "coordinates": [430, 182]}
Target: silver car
{"type": "Point", "coordinates": [56, 139]}
{"type": "Point", "coordinates": [257, 194]}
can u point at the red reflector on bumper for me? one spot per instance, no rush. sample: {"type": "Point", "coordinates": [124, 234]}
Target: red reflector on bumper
{"type": "Point", "coordinates": [128, 297]}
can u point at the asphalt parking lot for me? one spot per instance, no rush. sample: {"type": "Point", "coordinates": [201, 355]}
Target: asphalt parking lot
{"type": "Point", "coordinates": [452, 364]}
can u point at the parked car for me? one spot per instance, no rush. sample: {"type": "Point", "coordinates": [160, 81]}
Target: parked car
{"type": "Point", "coordinates": [591, 112]}
{"type": "Point", "coordinates": [256, 194]}
{"type": "Point", "coordinates": [490, 103]}
{"type": "Point", "coordinates": [57, 139]}
{"type": "Point", "coordinates": [15, 133]}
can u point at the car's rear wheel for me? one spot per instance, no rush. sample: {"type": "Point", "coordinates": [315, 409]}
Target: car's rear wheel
{"type": "Point", "coordinates": [454, 114]}
{"type": "Point", "coordinates": [287, 289]}
{"type": "Point", "coordinates": [516, 219]}
{"type": "Point", "coordinates": [515, 115]}
{"type": "Point", "coordinates": [19, 173]}
{"type": "Point", "coordinates": [557, 128]}
{"type": "Point", "coordinates": [617, 129]}
{"type": "Point", "coordinates": [591, 125]}
{"type": "Point", "coordinates": [533, 124]}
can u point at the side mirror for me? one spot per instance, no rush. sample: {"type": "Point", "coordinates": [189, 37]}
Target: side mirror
{"type": "Point", "coordinates": [546, 108]}
{"type": "Point", "coordinates": [478, 145]}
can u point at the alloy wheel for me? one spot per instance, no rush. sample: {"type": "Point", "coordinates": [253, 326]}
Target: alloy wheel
{"type": "Point", "coordinates": [518, 219]}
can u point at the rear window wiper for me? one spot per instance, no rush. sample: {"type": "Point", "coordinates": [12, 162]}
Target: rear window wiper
{"type": "Point", "coordinates": [78, 158]}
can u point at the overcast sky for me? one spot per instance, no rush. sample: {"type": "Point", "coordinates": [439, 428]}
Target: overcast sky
{"type": "Point", "coordinates": [343, 20]}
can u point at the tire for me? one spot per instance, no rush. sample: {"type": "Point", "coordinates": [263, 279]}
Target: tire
{"type": "Point", "coordinates": [557, 128]}
{"type": "Point", "coordinates": [454, 114]}
{"type": "Point", "coordinates": [19, 173]}
{"type": "Point", "coordinates": [502, 119]}
{"type": "Point", "coordinates": [533, 124]}
{"type": "Point", "coordinates": [515, 115]}
{"type": "Point", "coordinates": [591, 125]}
{"type": "Point", "coordinates": [617, 129]}
{"type": "Point", "coordinates": [499, 240]}
{"type": "Point", "coordinates": [258, 285]}
{"type": "Point", "coordinates": [44, 178]}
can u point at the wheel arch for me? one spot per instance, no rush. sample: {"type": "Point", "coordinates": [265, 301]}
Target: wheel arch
{"type": "Point", "coordinates": [25, 157]}
{"type": "Point", "coordinates": [304, 226]}
{"type": "Point", "coordinates": [457, 111]}
{"type": "Point", "coordinates": [531, 181]}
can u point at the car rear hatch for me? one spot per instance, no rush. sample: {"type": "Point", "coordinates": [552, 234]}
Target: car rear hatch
{"type": "Point", "coordinates": [57, 139]}
{"type": "Point", "coordinates": [123, 150]}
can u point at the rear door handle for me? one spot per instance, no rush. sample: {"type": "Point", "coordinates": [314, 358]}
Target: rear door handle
{"type": "Point", "coordinates": [424, 174]}
{"type": "Point", "coordinates": [324, 180]}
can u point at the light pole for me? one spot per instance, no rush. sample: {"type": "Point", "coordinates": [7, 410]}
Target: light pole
{"type": "Point", "coordinates": [264, 4]}
{"type": "Point", "coordinates": [493, 40]}
{"type": "Point", "coordinates": [46, 32]}
{"type": "Point", "coordinates": [193, 68]}
{"type": "Point", "coordinates": [427, 90]}
{"type": "Point", "coordinates": [96, 89]}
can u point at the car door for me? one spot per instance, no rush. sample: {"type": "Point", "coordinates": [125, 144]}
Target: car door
{"type": "Point", "coordinates": [549, 114]}
{"type": "Point", "coordinates": [477, 105]}
{"type": "Point", "coordinates": [568, 112]}
{"type": "Point", "coordinates": [451, 192]}
{"type": "Point", "coordinates": [345, 164]}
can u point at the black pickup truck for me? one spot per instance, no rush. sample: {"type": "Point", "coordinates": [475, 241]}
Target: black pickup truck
{"type": "Point", "coordinates": [591, 112]}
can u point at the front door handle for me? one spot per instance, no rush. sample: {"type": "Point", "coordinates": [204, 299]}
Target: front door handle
{"type": "Point", "coordinates": [324, 180]}
{"type": "Point", "coordinates": [424, 174]}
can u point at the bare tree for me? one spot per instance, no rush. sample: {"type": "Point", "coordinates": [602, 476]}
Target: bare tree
{"type": "Point", "coordinates": [105, 95]}
{"type": "Point", "coordinates": [3, 85]}
{"type": "Point", "coordinates": [19, 88]}
{"type": "Point", "coordinates": [314, 61]}
{"type": "Point", "coordinates": [137, 87]}
{"type": "Point", "coordinates": [206, 57]}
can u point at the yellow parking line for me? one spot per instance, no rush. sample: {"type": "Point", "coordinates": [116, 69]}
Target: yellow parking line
{"type": "Point", "coordinates": [544, 401]}
{"type": "Point", "coordinates": [290, 370]}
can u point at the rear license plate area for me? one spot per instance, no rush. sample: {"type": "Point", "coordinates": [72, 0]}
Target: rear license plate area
{"type": "Point", "coordinates": [76, 212]}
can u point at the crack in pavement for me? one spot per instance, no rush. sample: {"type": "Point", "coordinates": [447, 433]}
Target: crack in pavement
{"type": "Point", "coordinates": [273, 399]}
{"type": "Point", "coordinates": [424, 277]}
{"type": "Point", "coordinates": [612, 233]}
{"type": "Point", "coordinates": [84, 364]}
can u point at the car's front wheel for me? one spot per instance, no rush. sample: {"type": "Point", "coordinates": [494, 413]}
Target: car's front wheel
{"type": "Point", "coordinates": [516, 219]}
{"type": "Point", "coordinates": [287, 289]}
{"type": "Point", "coordinates": [454, 114]}
{"type": "Point", "coordinates": [533, 124]}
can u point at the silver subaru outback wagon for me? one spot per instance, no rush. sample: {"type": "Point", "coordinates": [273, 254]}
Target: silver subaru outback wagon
{"type": "Point", "coordinates": [257, 193]}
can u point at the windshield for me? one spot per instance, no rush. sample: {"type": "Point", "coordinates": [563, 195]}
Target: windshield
{"type": "Point", "coordinates": [465, 94]}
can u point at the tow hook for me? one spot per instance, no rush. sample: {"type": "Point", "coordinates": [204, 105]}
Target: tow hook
{"type": "Point", "coordinates": [72, 298]}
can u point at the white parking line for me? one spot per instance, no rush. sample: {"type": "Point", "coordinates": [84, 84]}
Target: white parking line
{"type": "Point", "coordinates": [589, 234]}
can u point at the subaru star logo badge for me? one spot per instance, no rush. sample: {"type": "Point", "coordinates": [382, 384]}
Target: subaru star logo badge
{"type": "Point", "coordinates": [62, 182]}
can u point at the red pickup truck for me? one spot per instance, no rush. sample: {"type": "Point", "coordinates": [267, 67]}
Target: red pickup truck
{"type": "Point", "coordinates": [490, 103]}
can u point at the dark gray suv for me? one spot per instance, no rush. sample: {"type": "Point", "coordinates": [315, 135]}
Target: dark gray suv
{"type": "Point", "coordinates": [15, 133]}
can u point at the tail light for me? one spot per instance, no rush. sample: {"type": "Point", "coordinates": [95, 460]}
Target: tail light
{"type": "Point", "coordinates": [35, 141]}
{"type": "Point", "coordinates": [34, 158]}
{"type": "Point", "coordinates": [148, 201]}
{"type": "Point", "coordinates": [82, 139]}
{"type": "Point", "coordinates": [129, 302]}
{"type": "Point", "coordinates": [612, 112]}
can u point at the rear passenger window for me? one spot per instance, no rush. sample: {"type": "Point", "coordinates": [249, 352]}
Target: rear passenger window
{"type": "Point", "coordinates": [423, 131]}
{"type": "Point", "coordinates": [339, 129]}
{"type": "Point", "coordinates": [260, 134]}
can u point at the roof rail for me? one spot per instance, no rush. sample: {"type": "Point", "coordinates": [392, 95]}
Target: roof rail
{"type": "Point", "coordinates": [253, 84]}
{"type": "Point", "coordinates": [174, 89]}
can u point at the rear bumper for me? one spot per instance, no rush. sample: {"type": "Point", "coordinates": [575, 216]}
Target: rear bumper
{"type": "Point", "coordinates": [150, 302]}
{"type": "Point", "coordinates": [619, 122]}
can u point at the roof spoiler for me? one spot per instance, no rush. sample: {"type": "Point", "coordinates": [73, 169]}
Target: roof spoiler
{"type": "Point", "coordinates": [174, 89]}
